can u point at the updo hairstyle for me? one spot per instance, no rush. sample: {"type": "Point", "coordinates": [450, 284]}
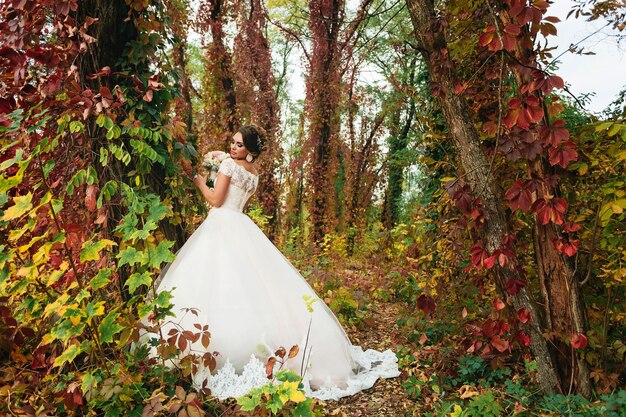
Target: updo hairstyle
{"type": "Point", "coordinates": [253, 139]}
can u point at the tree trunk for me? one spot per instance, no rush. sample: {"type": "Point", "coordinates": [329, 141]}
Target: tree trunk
{"type": "Point", "coordinates": [221, 116]}
{"type": "Point", "coordinates": [112, 33]}
{"type": "Point", "coordinates": [563, 306]}
{"type": "Point", "coordinates": [429, 34]}
{"type": "Point", "coordinates": [398, 142]}
{"type": "Point", "coordinates": [323, 94]}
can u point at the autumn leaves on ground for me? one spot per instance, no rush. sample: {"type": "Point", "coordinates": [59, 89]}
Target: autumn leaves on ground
{"type": "Point", "coordinates": [457, 205]}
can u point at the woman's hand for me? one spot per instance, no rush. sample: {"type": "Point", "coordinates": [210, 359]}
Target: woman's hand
{"type": "Point", "coordinates": [200, 180]}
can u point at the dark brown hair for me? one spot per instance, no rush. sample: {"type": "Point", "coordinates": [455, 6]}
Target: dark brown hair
{"type": "Point", "coordinates": [253, 139]}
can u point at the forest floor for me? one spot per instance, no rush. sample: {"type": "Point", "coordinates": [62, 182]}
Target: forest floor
{"type": "Point", "coordinates": [386, 397]}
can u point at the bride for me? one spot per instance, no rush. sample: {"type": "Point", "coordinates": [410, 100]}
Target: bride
{"type": "Point", "coordinates": [254, 301]}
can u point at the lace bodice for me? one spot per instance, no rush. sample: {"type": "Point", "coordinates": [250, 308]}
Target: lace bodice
{"type": "Point", "coordinates": [243, 184]}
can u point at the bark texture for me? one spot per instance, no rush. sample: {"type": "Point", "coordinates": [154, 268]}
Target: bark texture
{"type": "Point", "coordinates": [430, 35]}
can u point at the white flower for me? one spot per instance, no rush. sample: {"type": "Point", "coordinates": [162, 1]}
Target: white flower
{"type": "Point", "coordinates": [213, 159]}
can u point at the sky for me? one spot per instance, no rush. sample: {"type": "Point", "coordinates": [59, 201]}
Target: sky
{"type": "Point", "coordinates": [604, 73]}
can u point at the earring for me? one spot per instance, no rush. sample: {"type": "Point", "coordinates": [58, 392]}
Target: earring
{"type": "Point", "coordinates": [249, 157]}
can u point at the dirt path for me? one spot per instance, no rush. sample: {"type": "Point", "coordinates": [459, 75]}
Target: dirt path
{"type": "Point", "coordinates": [386, 397]}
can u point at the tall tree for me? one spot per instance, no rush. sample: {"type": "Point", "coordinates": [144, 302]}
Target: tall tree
{"type": "Point", "coordinates": [332, 49]}
{"type": "Point", "coordinates": [220, 117]}
{"type": "Point", "coordinates": [257, 100]}
{"type": "Point", "coordinates": [180, 22]}
{"type": "Point", "coordinates": [560, 367]}
{"type": "Point", "coordinates": [111, 41]}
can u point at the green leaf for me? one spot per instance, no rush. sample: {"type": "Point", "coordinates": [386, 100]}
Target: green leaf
{"type": "Point", "coordinates": [139, 234]}
{"type": "Point", "coordinates": [94, 309]}
{"type": "Point", "coordinates": [101, 279]}
{"type": "Point", "coordinates": [48, 167]}
{"type": "Point", "coordinates": [275, 404]}
{"type": "Point", "coordinates": [603, 126]}
{"type": "Point", "coordinates": [91, 251]}
{"type": "Point", "coordinates": [138, 279]}
{"type": "Point", "coordinates": [17, 158]}
{"type": "Point", "coordinates": [157, 210]}
{"type": "Point", "coordinates": [304, 409]}
{"type": "Point", "coordinates": [21, 206]}
{"type": "Point", "coordinates": [131, 256]}
{"type": "Point", "coordinates": [286, 375]}
{"type": "Point", "coordinates": [71, 353]}
{"type": "Point", "coordinates": [161, 254]}
{"type": "Point", "coordinates": [57, 205]}
{"type": "Point", "coordinates": [163, 299]}
{"type": "Point", "coordinates": [109, 328]}
{"type": "Point", "coordinates": [90, 381]}
{"type": "Point", "coordinates": [249, 403]}
{"type": "Point", "coordinates": [65, 330]}
{"type": "Point", "coordinates": [82, 294]}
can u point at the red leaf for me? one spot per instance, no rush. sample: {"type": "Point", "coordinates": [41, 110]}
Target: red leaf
{"type": "Point", "coordinates": [563, 154]}
{"type": "Point", "coordinates": [489, 328]}
{"type": "Point", "coordinates": [523, 338]}
{"type": "Point", "coordinates": [490, 262]}
{"type": "Point", "coordinates": [463, 199]}
{"type": "Point", "coordinates": [182, 344]}
{"type": "Point", "coordinates": [516, 7]}
{"type": "Point", "coordinates": [490, 39]}
{"type": "Point", "coordinates": [281, 352]}
{"type": "Point", "coordinates": [550, 210]}
{"type": "Point", "coordinates": [512, 29]}
{"type": "Point", "coordinates": [426, 303]}
{"type": "Point", "coordinates": [479, 257]}
{"type": "Point", "coordinates": [520, 198]}
{"type": "Point", "coordinates": [490, 127]}
{"type": "Point", "coordinates": [579, 341]}
{"type": "Point", "coordinates": [511, 118]}
{"type": "Point", "coordinates": [567, 247]}
{"type": "Point", "coordinates": [104, 71]}
{"type": "Point", "coordinates": [535, 113]}
{"type": "Point", "coordinates": [523, 315]}
{"type": "Point", "coordinates": [500, 344]}
{"type": "Point", "coordinates": [513, 285]}
{"type": "Point", "coordinates": [90, 197]}
{"type": "Point", "coordinates": [570, 227]}
{"type": "Point", "coordinates": [509, 42]}
{"type": "Point", "coordinates": [555, 134]}
{"type": "Point", "coordinates": [293, 352]}
{"type": "Point", "coordinates": [503, 256]}
{"type": "Point", "coordinates": [498, 304]}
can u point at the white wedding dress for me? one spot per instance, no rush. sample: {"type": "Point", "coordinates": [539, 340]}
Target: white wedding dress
{"type": "Point", "coordinates": [254, 301]}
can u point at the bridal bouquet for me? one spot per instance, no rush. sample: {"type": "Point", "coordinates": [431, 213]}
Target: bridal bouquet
{"type": "Point", "coordinates": [212, 160]}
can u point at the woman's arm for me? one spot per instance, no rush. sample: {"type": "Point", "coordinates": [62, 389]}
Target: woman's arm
{"type": "Point", "coordinates": [215, 196]}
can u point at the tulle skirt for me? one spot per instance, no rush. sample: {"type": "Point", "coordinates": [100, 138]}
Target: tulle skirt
{"type": "Point", "coordinates": [254, 301]}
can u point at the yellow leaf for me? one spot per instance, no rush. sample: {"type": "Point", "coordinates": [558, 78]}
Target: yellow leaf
{"type": "Point", "coordinates": [294, 394]}
{"type": "Point", "coordinates": [57, 307]}
{"type": "Point", "coordinates": [27, 271]}
{"type": "Point", "coordinates": [57, 274]}
{"type": "Point", "coordinates": [21, 206]}
{"type": "Point", "coordinates": [34, 240]}
{"type": "Point", "coordinates": [457, 411]}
